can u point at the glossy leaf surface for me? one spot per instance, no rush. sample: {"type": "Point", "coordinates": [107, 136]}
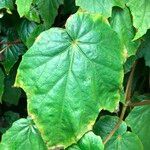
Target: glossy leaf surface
{"type": "Point", "coordinates": [66, 75]}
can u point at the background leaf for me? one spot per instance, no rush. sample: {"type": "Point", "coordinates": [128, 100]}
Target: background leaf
{"type": "Point", "coordinates": [11, 94]}
{"type": "Point", "coordinates": [127, 141]}
{"type": "Point", "coordinates": [28, 31]}
{"type": "Point", "coordinates": [139, 121]}
{"type": "Point", "coordinates": [122, 24]}
{"type": "Point", "coordinates": [23, 7]}
{"type": "Point", "coordinates": [22, 135]}
{"type": "Point", "coordinates": [144, 50]}
{"type": "Point", "coordinates": [7, 120]}
{"type": "Point", "coordinates": [102, 7]}
{"type": "Point", "coordinates": [106, 124]}
{"type": "Point", "coordinates": [7, 4]}
{"type": "Point", "coordinates": [140, 11]}
{"type": "Point", "coordinates": [88, 142]}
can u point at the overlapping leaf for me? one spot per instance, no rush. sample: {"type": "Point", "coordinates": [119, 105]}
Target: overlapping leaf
{"type": "Point", "coordinates": [121, 140]}
{"type": "Point", "coordinates": [11, 94]}
{"type": "Point", "coordinates": [106, 124]}
{"type": "Point", "coordinates": [144, 50]}
{"type": "Point", "coordinates": [127, 141]}
{"type": "Point", "coordinates": [98, 6]}
{"type": "Point", "coordinates": [22, 135]}
{"type": "Point", "coordinates": [28, 31]}
{"type": "Point", "coordinates": [23, 7]}
{"type": "Point", "coordinates": [89, 141]}
{"type": "Point", "coordinates": [69, 75]}
{"type": "Point", "coordinates": [139, 122]}
{"type": "Point", "coordinates": [11, 48]}
{"type": "Point", "coordinates": [122, 24]}
{"type": "Point", "coordinates": [7, 4]}
{"type": "Point", "coordinates": [34, 10]}
{"type": "Point", "coordinates": [140, 10]}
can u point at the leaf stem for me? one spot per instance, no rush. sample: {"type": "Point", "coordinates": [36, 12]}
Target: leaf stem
{"type": "Point", "coordinates": [128, 98]}
{"type": "Point", "coordinates": [145, 102]}
{"type": "Point", "coordinates": [117, 125]}
{"type": "Point", "coordinates": [10, 43]}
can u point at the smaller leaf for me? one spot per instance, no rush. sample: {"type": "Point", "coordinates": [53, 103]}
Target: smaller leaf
{"type": "Point", "coordinates": [6, 121]}
{"type": "Point", "coordinates": [106, 124]}
{"type": "Point", "coordinates": [28, 31]}
{"type": "Point", "coordinates": [89, 141]}
{"type": "Point", "coordinates": [7, 4]}
{"type": "Point", "coordinates": [23, 7]}
{"type": "Point", "coordinates": [144, 50]}
{"type": "Point", "coordinates": [23, 135]}
{"type": "Point", "coordinates": [11, 94]}
{"type": "Point", "coordinates": [50, 8]}
{"type": "Point", "coordinates": [129, 63]}
{"type": "Point", "coordinates": [140, 10]}
{"type": "Point", "coordinates": [139, 121]}
{"type": "Point", "coordinates": [102, 7]}
{"type": "Point", "coordinates": [11, 48]}
{"type": "Point", "coordinates": [127, 141]}
{"type": "Point", "coordinates": [121, 22]}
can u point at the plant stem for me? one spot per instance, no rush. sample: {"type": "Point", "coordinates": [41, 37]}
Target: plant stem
{"type": "Point", "coordinates": [145, 102]}
{"type": "Point", "coordinates": [10, 43]}
{"type": "Point", "coordinates": [128, 98]}
{"type": "Point", "coordinates": [117, 125]}
{"type": "Point", "coordinates": [129, 84]}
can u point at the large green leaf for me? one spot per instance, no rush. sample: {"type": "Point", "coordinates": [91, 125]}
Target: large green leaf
{"type": "Point", "coordinates": [104, 7]}
{"type": "Point", "coordinates": [23, 135]}
{"type": "Point", "coordinates": [127, 141]}
{"type": "Point", "coordinates": [23, 7]}
{"type": "Point", "coordinates": [140, 10]}
{"type": "Point", "coordinates": [106, 124]}
{"type": "Point", "coordinates": [139, 121]}
{"type": "Point", "coordinates": [1, 84]}
{"type": "Point", "coordinates": [144, 50]}
{"type": "Point", "coordinates": [69, 75]}
{"type": "Point", "coordinates": [89, 141]}
{"type": "Point", "coordinates": [122, 24]}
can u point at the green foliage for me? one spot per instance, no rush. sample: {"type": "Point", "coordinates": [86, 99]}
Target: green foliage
{"type": "Point", "coordinates": [122, 24]}
{"type": "Point", "coordinates": [22, 135]}
{"type": "Point", "coordinates": [121, 137]}
{"type": "Point", "coordinates": [68, 84]}
{"type": "Point", "coordinates": [102, 7]}
{"type": "Point", "coordinates": [139, 122]}
{"type": "Point", "coordinates": [106, 123]}
{"type": "Point", "coordinates": [140, 11]}
{"type": "Point", "coordinates": [88, 141]}
{"type": "Point", "coordinates": [74, 74]}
